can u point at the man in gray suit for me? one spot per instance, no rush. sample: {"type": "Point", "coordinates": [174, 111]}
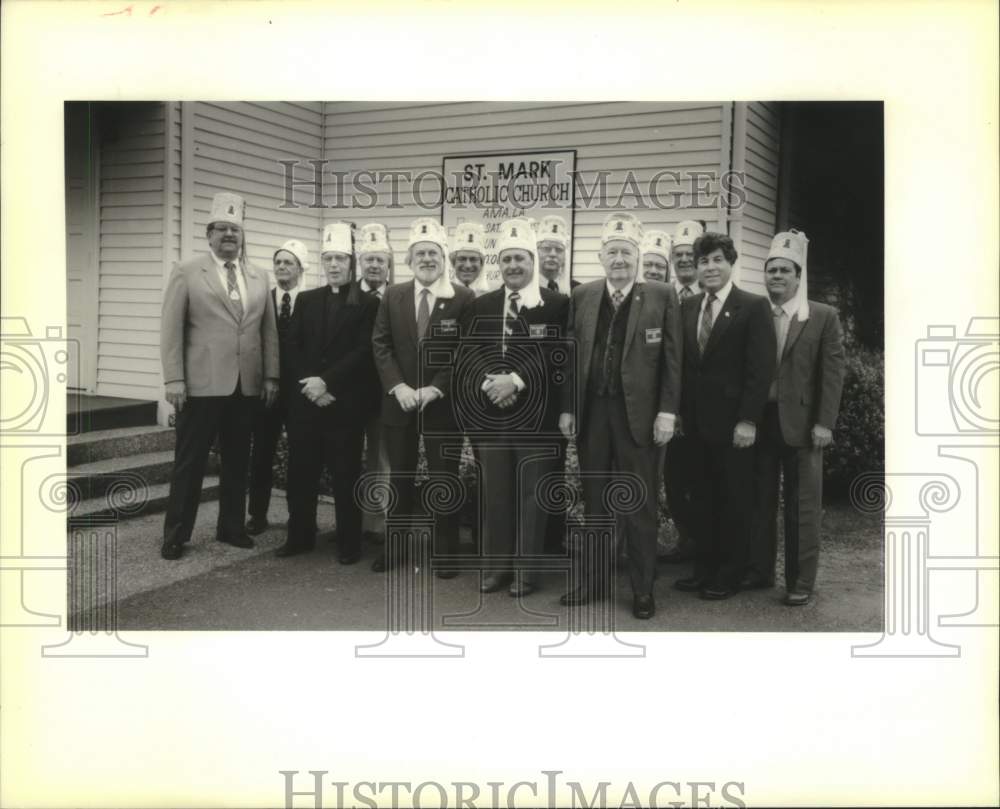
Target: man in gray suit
{"type": "Point", "coordinates": [627, 381]}
{"type": "Point", "coordinates": [219, 349]}
{"type": "Point", "coordinates": [799, 417]}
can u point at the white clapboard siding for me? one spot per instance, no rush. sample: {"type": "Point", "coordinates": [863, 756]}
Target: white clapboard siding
{"type": "Point", "coordinates": [613, 137]}
{"type": "Point", "coordinates": [759, 215]}
{"type": "Point", "coordinates": [131, 252]}
{"type": "Point", "coordinates": [237, 148]}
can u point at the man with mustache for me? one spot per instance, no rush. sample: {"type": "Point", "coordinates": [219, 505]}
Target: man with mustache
{"type": "Point", "coordinates": [376, 265]}
{"type": "Point", "coordinates": [219, 349]}
{"type": "Point", "coordinates": [799, 418]}
{"type": "Point", "coordinates": [468, 256]}
{"type": "Point", "coordinates": [413, 319]}
{"type": "Point", "coordinates": [519, 329]}
{"type": "Point", "coordinates": [729, 349]}
{"type": "Point", "coordinates": [290, 262]}
{"type": "Point", "coordinates": [335, 383]}
{"type": "Point", "coordinates": [627, 391]}
{"type": "Point", "coordinates": [677, 463]}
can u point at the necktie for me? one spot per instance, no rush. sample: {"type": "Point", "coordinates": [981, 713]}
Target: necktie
{"type": "Point", "coordinates": [234, 289]}
{"type": "Point", "coordinates": [510, 317]}
{"type": "Point", "coordinates": [284, 313]}
{"type": "Point", "coordinates": [553, 286]}
{"type": "Point", "coordinates": [780, 329]}
{"type": "Point", "coordinates": [423, 314]}
{"type": "Point", "coordinates": [706, 323]}
{"type": "Point", "coordinates": [686, 293]}
{"type": "Point", "coordinates": [375, 291]}
{"type": "Point", "coordinates": [616, 299]}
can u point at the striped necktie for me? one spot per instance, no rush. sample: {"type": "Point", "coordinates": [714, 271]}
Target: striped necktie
{"type": "Point", "coordinates": [510, 317]}
{"type": "Point", "coordinates": [707, 319]}
{"type": "Point", "coordinates": [423, 314]}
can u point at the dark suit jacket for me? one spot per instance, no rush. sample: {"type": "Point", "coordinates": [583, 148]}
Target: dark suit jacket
{"type": "Point", "coordinates": [330, 337]}
{"type": "Point", "coordinates": [398, 356]}
{"type": "Point", "coordinates": [533, 353]}
{"type": "Point", "coordinates": [729, 383]}
{"type": "Point", "coordinates": [811, 375]}
{"type": "Point", "coordinates": [284, 347]}
{"type": "Point", "coordinates": [651, 360]}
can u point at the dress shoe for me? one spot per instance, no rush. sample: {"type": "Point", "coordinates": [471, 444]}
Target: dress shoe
{"type": "Point", "coordinates": [676, 557]}
{"type": "Point", "coordinates": [171, 550]}
{"type": "Point", "coordinates": [751, 581]}
{"type": "Point", "coordinates": [692, 584]}
{"type": "Point", "coordinates": [238, 541]}
{"type": "Point", "coordinates": [577, 597]}
{"type": "Point", "coordinates": [348, 557]}
{"type": "Point", "coordinates": [445, 574]}
{"type": "Point", "coordinates": [797, 598]}
{"type": "Point", "coordinates": [643, 606]}
{"type": "Point", "coordinates": [522, 588]}
{"type": "Point", "coordinates": [494, 582]}
{"type": "Point", "coordinates": [257, 525]}
{"type": "Point", "coordinates": [379, 565]}
{"type": "Point", "coordinates": [292, 549]}
{"type": "Point", "coordinates": [716, 592]}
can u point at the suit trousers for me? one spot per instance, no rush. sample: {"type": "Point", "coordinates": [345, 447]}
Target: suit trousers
{"type": "Point", "coordinates": [607, 445]}
{"type": "Point", "coordinates": [514, 523]}
{"type": "Point", "coordinates": [677, 484]}
{"type": "Point", "coordinates": [402, 444]}
{"type": "Point", "coordinates": [311, 448]}
{"type": "Point", "coordinates": [722, 509]}
{"type": "Point", "coordinates": [376, 460]}
{"type": "Point", "coordinates": [197, 425]}
{"type": "Point", "coordinates": [555, 524]}
{"type": "Point", "coordinates": [802, 471]}
{"type": "Point", "coordinates": [266, 431]}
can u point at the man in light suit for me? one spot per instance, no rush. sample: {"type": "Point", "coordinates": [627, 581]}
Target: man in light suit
{"type": "Point", "coordinates": [799, 418]}
{"type": "Point", "coordinates": [627, 382]}
{"type": "Point", "coordinates": [507, 375]}
{"type": "Point", "coordinates": [728, 362]}
{"type": "Point", "coordinates": [677, 465]}
{"type": "Point", "coordinates": [290, 262]}
{"type": "Point", "coordinates": [219, 349]}
{"type": "Point", "coordinates": [330, 338]}
{"type": "Point", "coordinates": [413, 319]}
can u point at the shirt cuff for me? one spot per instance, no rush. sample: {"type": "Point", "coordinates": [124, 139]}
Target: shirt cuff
{"type": "Point", "coordinates": [518, 382]}
{"type": "Point", "coordinates": [670, 418]}
{"type": "Point", "coordinates": [440, 392]}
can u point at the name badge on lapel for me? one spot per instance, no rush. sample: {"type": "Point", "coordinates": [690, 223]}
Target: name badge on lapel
{"type": "Point", "coordinates": [654, 335]}
{"type": "Point", "coordinates": [536, 329]}
{"type": "Point", "coordinates": [448, 327]}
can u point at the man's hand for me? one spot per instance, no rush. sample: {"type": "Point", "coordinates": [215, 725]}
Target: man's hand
{"type": "Point", "coordinates": [663, 429]}
{"type": "Point", "coordinates": [313, 387]}
{"type": "Point", "coordinates": [744, 434]}
{"type": "Point", "coordinates": [499, 387]}
{"type": "Point", "coordinates": [406, 396]}
{"type": "Point", "coordinates": [821, 437]}
{"type": "Point", "coordinates": [426, 395]}
{"type": "Point", "coordinates": [567, 424]}
{"type": "Point", "coordinates": [176, 395]}
{"type": "Point", "coordinates": [269, 393]}
{"type": "Point", "coordinates": [324, 400]}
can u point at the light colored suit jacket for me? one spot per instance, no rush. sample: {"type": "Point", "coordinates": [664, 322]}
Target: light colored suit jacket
{"type": "Point", "coordinates": [203, 343]}
{"type": "Point", "coordinates": [811, 375]}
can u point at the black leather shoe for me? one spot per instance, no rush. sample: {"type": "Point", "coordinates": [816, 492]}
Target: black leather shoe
{"type": "Point", "coordinates": [751, 581]}
{"type": "Point", "coordinates": [692, 584]}
{"type": "Point", "coordinates": [522, 588]}
{"type": "Point", "coordinates": [446, 574]}
{"type": "Point", "coordinates": [577, 597]}
{"type": "Point", "coordinates": [349, 557]}
{"type": "Point", "coordinates": [717, 592]}
{"type": "Point", "coordinates": [797, 598]}
{"type": "Point", "coordinates": [379, 566]}
{"type": "Point", "coordinates": [494, 582]}
{"type": "Point", "coordinates": [292, 549]}
{"type": "Point", "coordinates": [171, 550]}
{"type": "Point", "coordinates": [643, 607]}
{"type": "Point", "coordinates": [238, 541]}
{"type": "Point", "coordinates": [257, 525]}
{"type": "Point", "coordinates": [676, 557]}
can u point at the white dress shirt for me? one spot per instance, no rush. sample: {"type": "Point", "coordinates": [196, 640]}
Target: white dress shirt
{"type": "Point", "coordinates": [721, 296]}
{"type": "Point", "coordinates": [380, 291]}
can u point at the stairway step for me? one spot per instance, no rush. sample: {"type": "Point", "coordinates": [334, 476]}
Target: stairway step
{"type": "Point", "coordinates": [107, 413]}
{"type": "Point", "coordinates": [94, 508]}
{"type": "Point", "coordinates": [100, 445]}
{"type": "Point", "coordinates": [94, 479]}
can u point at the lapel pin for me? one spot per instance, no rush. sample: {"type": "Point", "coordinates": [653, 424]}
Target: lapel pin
{"type": "Point", "coordinates": [440, 306]}
{"type": "Point", "coordinates": [727, 314]}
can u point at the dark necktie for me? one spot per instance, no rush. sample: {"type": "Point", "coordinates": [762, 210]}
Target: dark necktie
{"type": "Point", "coordinates": [375, 292]}
{"type": "Point", "coordinates": [423, 314]}
{"type": "Point", "coordinates": [553, 286]}
{"type": "Point", "coordinates": [686, 293]}
{"type": "Point", "coordinates": [234, 289]}
{"type": "Point", "coordinates": [616, 299]}
{"type": "Point", "coordinates": [284, 314]}
{"type": "Point", "coordinates": [510, 317]}
{"type": "Point", "coordinates": [706, 323]}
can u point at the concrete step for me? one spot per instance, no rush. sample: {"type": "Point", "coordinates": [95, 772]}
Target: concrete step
{"type": "Point", "coordinates": [91, 413]}
{"type": "Point", "coordinates": [94, 508]}
{"type": "Point", "coordinates": [100, 445]}
{"type": "Point", "coordinates": [95, 479]}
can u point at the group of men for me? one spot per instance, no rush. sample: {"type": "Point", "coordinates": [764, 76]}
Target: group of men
{"type": "Point", "coordinates": [722, 394]}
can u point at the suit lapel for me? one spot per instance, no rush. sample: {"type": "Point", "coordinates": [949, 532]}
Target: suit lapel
{"type": "Point", "coordinates": [795, 329]}
{"type": "Point", "coordinates": [409, 310]}
{"type": "Point", "coordinates": [634, 312]}
{"type": "Point", "coordinates": [210, 274]}
{"type": "Point", "coordinates": [691, 327]}
{"type": "Point", "coordinates": [726, 315]}
{"type": "Point", "coordinates": [589, 309]}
